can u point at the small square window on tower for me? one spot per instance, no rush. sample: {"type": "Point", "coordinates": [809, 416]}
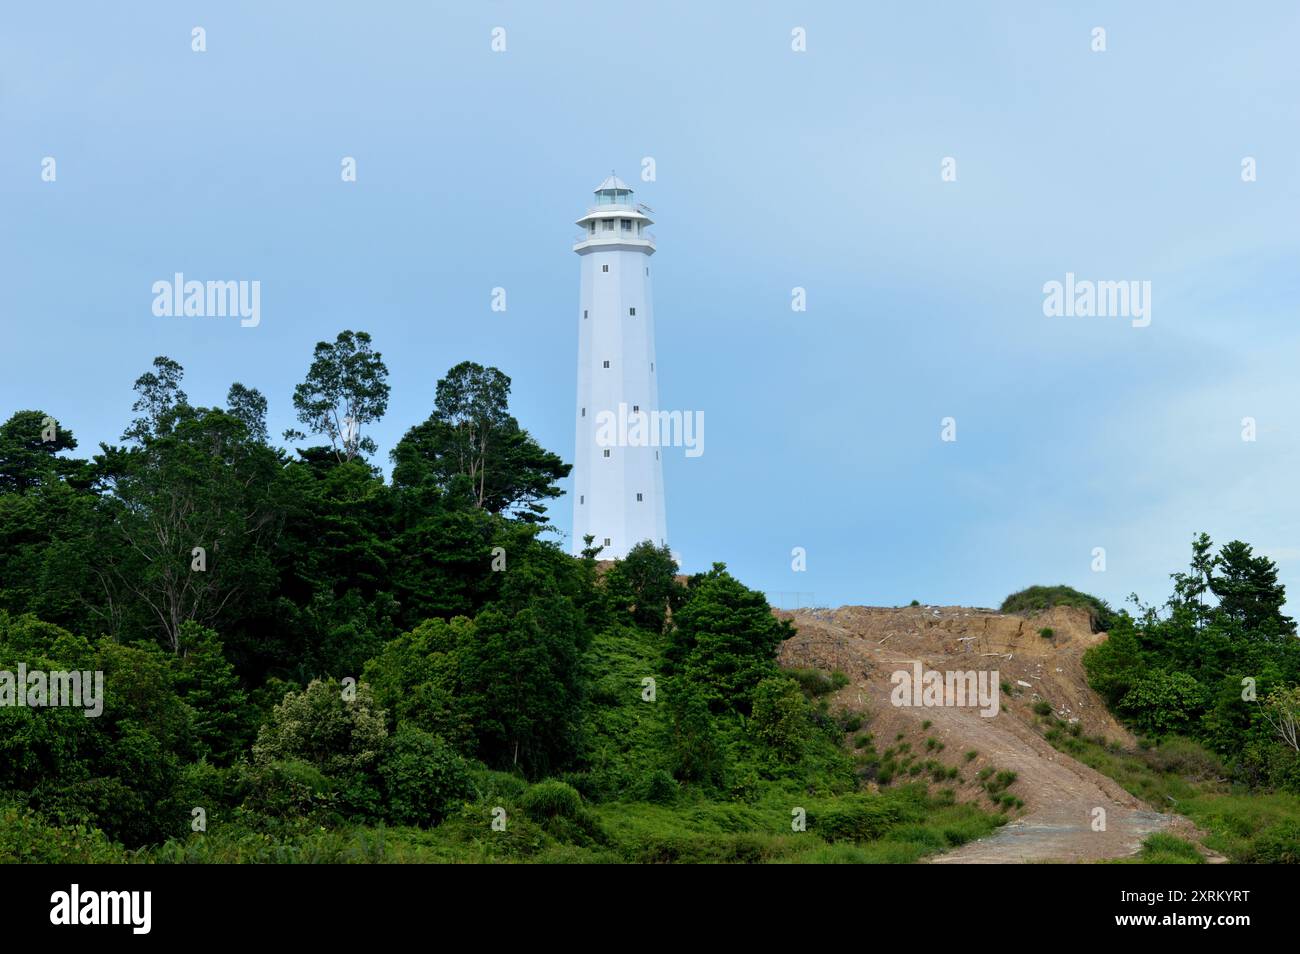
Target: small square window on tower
{"type": "Point", "coordinates": [647, 269]}
{"type": "Point", "coordinates": [607, 364]}
{"type": "Point", "coordinates": [604, 268]}
{"type": "Point", "coordinates": [638, 498]}
{"type": "Point", "coordinates": [606, 451]}
{"type": "Point", "coordinates": [632, 312]}
{"type": "Point", "coordinates": [582, 498]}
{"type": "Point", "coordinates": [652, 365]}
{"type": "Point", "coordinates": [635, 408]}
{"type": "Point", "coordinates": [584, 412]}
{"type": "Point", "coordinates": [584, 313]}
{"type": "Point", "coordinates": [607, 541]}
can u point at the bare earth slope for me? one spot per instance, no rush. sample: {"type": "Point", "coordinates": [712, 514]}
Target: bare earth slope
{"type": "Point", "coordinates": [1061, 795]}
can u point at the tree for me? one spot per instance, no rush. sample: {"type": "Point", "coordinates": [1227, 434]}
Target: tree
{"type": "Point", "coordinates": [780, 717]}
{"type": "Point", "coordinates": [1282, 712]}
{"type": "Point", "coordinates": [521, 683]}
{"type": "Point", "coordinates": [691, 744]}
{"type": "Point", "coordinates": [208, 684]}
{"type": "Point", "coordinates": [336, 735]}
{"type": "Point", "coordinates": [1249, 592]}
{"type": "Point", "coordinates": [199, 485]}
{"type": "Point", "coordinates": [248, 406]}
{"type": "Point", "coordinates": [1190, 587]}
{"type": "Point", "coordinates": [725, 639]}
{"type": "Point", "coordinates": [1163, 703]}
{"type": "Point", "coordinates": [27, 458]}
{"type": "Point", "coordinates": [424, 778]}
{"type": "Point", "coordinates": [471, 451]}
{"type": "Point", "coordinates": [416, 678]}
{"type": "Point", "coordinates": [1114, 666]}
{"type": "Point", "coordinates": [160, 400]}
{"type": "Point", "coordinates": [346, 387]}
{"type": "Point", "coordinates": [644, 585]}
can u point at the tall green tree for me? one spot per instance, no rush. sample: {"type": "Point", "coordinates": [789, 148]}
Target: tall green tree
{"type": "Point", "coordinates": [725, 640]}
{"type": "Point", "coordinates": [346, 387]}
{"type": "Point", "coordinates": [472, 452]}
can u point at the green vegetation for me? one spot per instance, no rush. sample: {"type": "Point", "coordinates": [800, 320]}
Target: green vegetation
{"type": "Point", "coordinates": [1036, 599]}
{"type": "Point", "coordinates": [1220, 666]}
{"type": "Point", "coordinates": [1209, 685]}
{"type": "Point", "coordinates": [305, 662]}
{"type": "Point", "coordinates": [1164, 849]}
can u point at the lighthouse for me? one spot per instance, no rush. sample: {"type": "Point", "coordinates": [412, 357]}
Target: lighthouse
{"type": "Point", "coordinates": [618, 492]}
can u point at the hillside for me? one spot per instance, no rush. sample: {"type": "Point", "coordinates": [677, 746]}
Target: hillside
{"type": "Point", "coordinates": [1060, 794]}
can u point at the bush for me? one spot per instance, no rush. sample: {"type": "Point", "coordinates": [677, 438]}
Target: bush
{"type": "Point", "coordinates": [814, 682]}
{"type": "Point", "coordinates": [1047, 632]}
{"type": "Point", "coordinates": [1166, 849]}
{"type": "Point", "coordinates": [855, 821]}
{"type": "Point", "coordinates": [552, 799]}
{"type": "Point", "coordinates": [1035, 599]}
{"type": "Point", "coordinates": [320, 727]}
{"type": "Point", "coordinates": [658, 787]}
{"type": "Point", "coordinates": [1278, 844]}
{"type": "Point", "coordinates": [1184, 757]}
{"type": "Point", "coordinates": [424, 779]}
{"type": "Point", "coordinates": [780, 717]}
{"type": "Point", "coordinates": [287, 789]}
{"type": "Point", "coordinates": [26, 839]}
{"type": "Point", "coordinates": [1163, 703]}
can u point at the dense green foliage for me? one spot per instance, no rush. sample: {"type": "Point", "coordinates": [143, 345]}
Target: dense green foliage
{"type": "Point", "coordinates": [1035, 599]}
{"type": "Point", "coordinates": [1219, 665]}
{"type": "Point", "coordinates": [305, 662]}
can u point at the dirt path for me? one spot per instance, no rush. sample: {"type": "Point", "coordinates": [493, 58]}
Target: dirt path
{"type": "Point", "coordinates": [1072, 813]}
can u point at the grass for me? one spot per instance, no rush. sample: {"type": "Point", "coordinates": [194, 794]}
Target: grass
{"type": "Point", "coordinates": [1180, 776]}
{"type": "Point", "coordinates": [1035, 599]}
{"type": "Point", "coordinates": [1163, 849]}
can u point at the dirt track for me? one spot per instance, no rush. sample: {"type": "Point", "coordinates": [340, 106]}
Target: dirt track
{"type": "Point", "coordinates": [1061, 795]}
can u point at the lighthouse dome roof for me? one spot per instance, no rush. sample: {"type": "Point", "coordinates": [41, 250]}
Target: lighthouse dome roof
{"type": "Point", "coordinates": [613, 182]}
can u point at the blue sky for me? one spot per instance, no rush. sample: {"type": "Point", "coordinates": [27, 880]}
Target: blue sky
{"type": "Point", "coordinates": [774, 169]}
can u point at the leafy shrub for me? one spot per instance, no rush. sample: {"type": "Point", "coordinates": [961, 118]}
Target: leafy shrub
{"type": "Point", "coordinates": [288, 789]}
{"type": "Point", "coordinates": [1035, 599]}
{"type": "Point", "coordinates": [1278, 844]}
{"type": "Point", "coordinates": [814, 682]}
{"type": "Point", "coordinates": [551, 799]}
{"type": "Point", "coordinates": [855, 821]}
{"type": "Point", "coordinates": [658, 787]}
{"type": "Point", "coordinates": [1184, 757]}
{"type": "Point", "coordinates": [26, 839]}
{"type": "Point", "coordinates": [1162, 703]}
{"type": "Point", "coordinates": [780, 717]}
{"type": "Point", "coordinates": [424, 778]}
{"type": "Point", "coordinates": [320, 727]}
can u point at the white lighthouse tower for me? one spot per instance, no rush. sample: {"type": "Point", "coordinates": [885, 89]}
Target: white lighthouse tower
{"type": "Point", "coordinates": [618, 494]}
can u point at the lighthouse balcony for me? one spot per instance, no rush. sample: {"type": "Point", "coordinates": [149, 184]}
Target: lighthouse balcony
{"type": "Point", "coordinates": [617, 237]}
